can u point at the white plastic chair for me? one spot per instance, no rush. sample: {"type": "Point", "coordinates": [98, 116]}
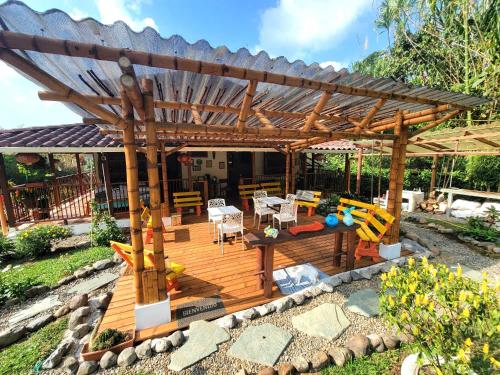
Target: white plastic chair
{"type": "Point", "coordinates": [261, 209]}
{"type": "Point", "coordinates": [291, 198]}
{"type": "Point", "coordinates": [213, 203]}
{"type": "Point", "coordinates": [231, 223]}
{"type": "Point", "coordinates": [288, 213]}
{"type": "Point", "coordinates": [260, 194]}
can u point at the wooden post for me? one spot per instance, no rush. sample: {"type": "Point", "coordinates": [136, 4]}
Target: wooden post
{"type": "Point", "coordinates": [190, 176]}
{"type": "Point", "coordinates": [134, 204]}
{"type": "Point", "coordinates": [205, 193]}
{"type": "Point", "coordinates": [107, 182]}
{"type": "Point", "coordinates": [292, 172]}
{"type": "Point", "coordinates": [393, 173]}
{"type": "Point", "coordinates": [287, 170]}
{"type": "Point", "coordinates": [79, 173]}
{"type": "Point", "coordinates": [347, 173]}
{"type": "Point", "coordinates": [254, 168]}
{"type": "Point", "coordinates": [435, 160]}
{"type": "Point", "coordinates": [57, 195]}
{"type": "Point", "coordinates": [3, 218]}
{"type": "Point", "coordinates": [358, 172]}
{"type": "Point", "coordinates": [164, 177]}
{"type": "Point", "coordinates": [154, 186]}
{"type": "Point", "coordinates": [4, 190]}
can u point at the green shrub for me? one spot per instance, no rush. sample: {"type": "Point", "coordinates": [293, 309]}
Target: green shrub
{"type": "Point", "coordinates": [36, 241]}
{"type": "Point", "coordinates": [6, 248]}
{"type": "Point", "coordinates": [108, 338]}
{"type": "Point", "coordinates": [14, 288]}
{"type": "Point", "coordinates": [104, 228]}
{"type": "Point", "coordinates": [449, 316]}
{"type": "Point", "coordinates": [478, 229]}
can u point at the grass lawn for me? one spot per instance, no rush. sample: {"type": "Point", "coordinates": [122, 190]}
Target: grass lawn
{"type": "Point", "coordinates": [375, 364]}
{"type": "Point", "coordinates": [50, 270]}
{"type": "Point", "coordinates": [20, 358]}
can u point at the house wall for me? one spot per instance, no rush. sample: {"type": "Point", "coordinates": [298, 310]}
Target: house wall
{"type": "Point", "coordinates": [213, 171]}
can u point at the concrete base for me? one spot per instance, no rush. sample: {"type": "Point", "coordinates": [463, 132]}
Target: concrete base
{"type": "Point", "coordinates": [152, 314]}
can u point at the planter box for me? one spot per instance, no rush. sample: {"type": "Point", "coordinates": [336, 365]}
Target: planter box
{"type": "Point", "coordinates": [97, 355]}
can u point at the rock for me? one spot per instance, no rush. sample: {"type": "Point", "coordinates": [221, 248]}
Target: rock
{"type": "Point", "coordinates": [364, 302]}
{"type": "Point", "coordinates": [266, 309]}
{"type": "Point", "coordinates": [227, 322]}
{"type": "Point", "coordinates": [56, 356]}
{"type": "Point", "coordinates": [103, 300]}
{"type": "Point", "coordinates": [11, 302]}
{"type": "Point", "coordinates": [345, 277]}
{"type": "Point", "coordinates": [78, 301]}
{"type": "Point", "coordinates": [36, 291]}
{"type": "Point", "coordinates": [298, 298]}
{"type": "Point", "coordinates": [436, 251]}
{"type": "Point", "coordinates": [249, 314]}
{"type": "Point", "coordinates": [40, 322]}
{"type": "Point", "coordinates": [300, 364]}
{"type": "Point", "coordinates": [340, 355]}
{"type": "Point", "coordinates": [496, 250]}
{"type": "Point", "coordinates": [446, 230]}
{"type": "Point", "coordinates": [319, 361]}
{"type": "Point", "coordinates": [176, 339]}
{"type": "Point", "coordinates": [412, 236]}
{"type": "Point", "coordinates": [144, 350]}
{"type": "Point", "coordinates": [78, 316]}
{"type": "Point", "coordinates": [356, 275]}
{"type": "Point", "coordinates": [126, 357]}
{"type": "Point", "coordinates": [117, 258]}
{"type": "Point", "coordinates": [71, 364]}
{"type": "Point", "coordinates": [286, 369]}
{"type": "Point", "coordinates": [422, 220]}
{"type": "Point", "coordinates": [326, 320]}
{"type": "Point", "coordinates": [391, 341]}
{"type": "Point", "coordinates": [85, 339]}
{"type": "Point", "coordinates": [359, 345]}
{"type": "Point", "coordinates": [325, 287]}
{"type": "Point", "coordinates": [333, 281]}
{"type": "Point", "coordinates": [61, 311]}
{"type": "Point", "coordinates": [81, 330]}
{"type": "Point", "coordinates": [11, 335]}
{"type": "Point", "coordinates": [66, 280]}
{"type": "Point", "coordinates": [267, 371]}
{"type": "Point", "coordinates": [315, 290]}
{"type": "Point", "coordinates": [103, 264]}
{"type": "Point", "coordinates": [108, 360]}
{"type": "Point", "coordinates": [376, 342]}
{"type": "Point", "coordinates": [87, 367]}
{"type": "Point", "coordinates": [160, 345]}
{"type": "Point", "coordinates": [386, 266]}
{"type": "Point", "coordinates": [283, 304]}
{"type": "Point", "coordinates": [432, 225]}
{"type": "Point", "coordinates": [83, 272]}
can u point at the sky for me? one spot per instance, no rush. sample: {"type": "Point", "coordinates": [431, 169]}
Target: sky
{"type": "Point", "coordinates": [329, 32]}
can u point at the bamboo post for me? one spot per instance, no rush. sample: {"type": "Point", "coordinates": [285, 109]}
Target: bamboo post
{"type": "Point", "coordinates": [316, 112]}
{"type": "Point", "coordinates": [435, 160]}
{"type": "Point", "coordinates": [4, 191]}
{"type": "Point", "coordinates": [154, 186]}
{"type": "Point", "coordinates": [254, 168]}
{"type": "Point", "coordinates": [347, 173]}
{"type": "Point", "coordinates": [79, 173]}
{"type": "Point", "coordinates": [205, 192]}
{"type": "Point", "coordinates": [3, 218]}
{"type": "Point", "coordinates": [133, 196]}
{"type": "Point", "coordinates": [107, 182]}
{"type": "Point", "coordinates": [164, 177]}
{"type": "Point", "coordinates": [393, 173]}
{"type": "Point", "coordinates": [57, 195]}
{"type": "Point", "coordinates": [292, 172]}
{"type": "Point", "coordinates": [359, 170]}
{"type": "Point", "coordinates": [189, 176]}
{"type": "Point", "coordinates": [287, 170]}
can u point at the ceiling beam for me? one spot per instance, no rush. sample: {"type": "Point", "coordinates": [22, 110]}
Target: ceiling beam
{"type": "Point", "coordinates": [433, 124]}
{"type": "Point", "coordinates": [246, 104]}
{"type": "Point", "coordinates": [264, 120]}
{"type": "Point", "coordinates": [316, 112]}
{"type": "Point", "coordinates": [129, 80]}
{"type": "Point", "coordinates": [196, 115]}
{"type": "Point", "coordinates": [369, 117]}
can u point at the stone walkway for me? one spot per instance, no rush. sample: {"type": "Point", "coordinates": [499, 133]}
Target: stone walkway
{"type": "Point", "coordinates": [365, 302]}
{"type": "Point", "coordinates": [327, 320]}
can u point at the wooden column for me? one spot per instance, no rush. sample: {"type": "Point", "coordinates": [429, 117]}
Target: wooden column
{"type": "Point", "coordinates": [287, 170]}
{"type": "Point", "coordinates": [154, 187]}
{"type": "Point", "coordinates": [79, 173]}
{"type": "Point", "coordinates": [190, 176]}
{"type": "Point", "coordinates": [254, 168]}
{"type": "Point", "coordinates": [292, 172]}
{"type": "Point", "coordinates": [52, 166]}
{"type": "Point", "coordinates": [347, 173]}
{"type": "Point", "coordinates": [358, 172]}
{"type": "Point", "coordinates": [4, 190]}
{"type": "Point", "coordinates": [393, 173]}
{"type": "Point", "coordinates": [435, 160]}
{"type": "Point", "coordinates": [107, 182]}
{"type": "Point", "coordinates": [134, 204]}
{"type": "Point", "coordinates": [164, 177]}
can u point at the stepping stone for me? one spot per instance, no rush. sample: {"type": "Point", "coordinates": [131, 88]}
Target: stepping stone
{"type": "Point", "coordinates": [327, 320]}
{"type": "Point", "coordinates": [41, 306]}
{"type": "Point", "coordinates": [88, 286]}
{"type": "Point", "coordinates": [467, 272]}
{"type": "Point", "coordinates": [203, 340]}
{"type": "Point", "coordinates": [364, 302]}
{"type": "Point", "coordinates": [261, 344]}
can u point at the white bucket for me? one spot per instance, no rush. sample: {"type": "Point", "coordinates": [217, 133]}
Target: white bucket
{"type": "Point", "coordinates": [390, 251]}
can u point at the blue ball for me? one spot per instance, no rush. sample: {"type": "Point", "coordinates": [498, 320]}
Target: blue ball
{"type": "Point", "coordinates": [331, 220]}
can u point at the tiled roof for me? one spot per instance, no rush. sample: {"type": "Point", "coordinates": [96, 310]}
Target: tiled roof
{"type": "Point", "coordinates": [341, 145]}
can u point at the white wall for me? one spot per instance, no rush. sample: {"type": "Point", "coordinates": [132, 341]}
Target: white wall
{"type": "Point", "coordinates": [213, 171]}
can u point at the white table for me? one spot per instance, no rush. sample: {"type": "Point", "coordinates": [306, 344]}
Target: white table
{"type": "Point", "coordinates": [413, 198]}
{"type": "Point", "coordinates": [273, 201]}
{"type": "Point", "coordinates": [217, 212]}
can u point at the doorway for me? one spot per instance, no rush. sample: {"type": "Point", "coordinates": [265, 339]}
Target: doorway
{"type": "Point", "coordinates": [239, 164]}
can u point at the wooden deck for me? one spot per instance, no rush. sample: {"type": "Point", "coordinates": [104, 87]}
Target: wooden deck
{"type": "Point", "coordinates": [209, 272]}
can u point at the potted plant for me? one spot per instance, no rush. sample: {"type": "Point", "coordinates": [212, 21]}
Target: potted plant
{"type": "Point", "coordinates": [108, 340]}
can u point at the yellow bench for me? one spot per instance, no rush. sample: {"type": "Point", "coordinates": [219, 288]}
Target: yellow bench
{"type": "Point", "coordinates": [272, 188]}
{"type": "Point", "coordinates": [311, 205]}
{"type": "Point", "coordinates": [246, 193]}
{"type": "Point", "coordinates": [374, 223]}
{"type": "Point", "coordinates": [188, 199]}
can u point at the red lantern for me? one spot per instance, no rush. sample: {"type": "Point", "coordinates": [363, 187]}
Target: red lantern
{"type": "Point", "coordinates": [27, 159]}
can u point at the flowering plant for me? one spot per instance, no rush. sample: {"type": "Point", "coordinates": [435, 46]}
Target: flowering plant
{"type": "Point", "coordinates": [455, 321]}
{"type": "Point", "coordinates": [36, 241]}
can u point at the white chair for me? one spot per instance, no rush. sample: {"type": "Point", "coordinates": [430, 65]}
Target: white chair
{"type": "Point", "coordinates": [231, 223]}
{"type": "Point", "coordinates": [213, 203]}
{"type": "Point", "coordinates": [291, 198]}
{"type": "Point", "coordinates": [288, 212]}
{"type": "Point", "coordinates": [260, 194]}
{"type": "Point", "coordinates": [261, 209]}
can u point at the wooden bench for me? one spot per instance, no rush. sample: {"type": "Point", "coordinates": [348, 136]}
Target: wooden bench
{"type": "Point", "coordinates": [374, 223]}
{"type": "Point", "coordinates": [272, 188]}
{"type": "Point", "coordinates": [188, 199]}
{"type": "Point", "coordinates": [246, 193]}
{"type": "Point", "coordinates": [311, 205]}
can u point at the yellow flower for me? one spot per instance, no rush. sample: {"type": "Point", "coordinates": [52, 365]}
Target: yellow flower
{"type": "Point", "coordinates": [431, 306]}
{"type": "Point", "coordinates": [403, 299]}
{"type": "Point", "coordinates": [404, 315]}
{"type": "Point", "coordinates": [425, 262]}
{"type": "Point", "coordinates": [391, 301]}
{"type": "Point", "coordinates": [462, 297]}
{"type": "Point", "coordinates": [412, 287]}
{"type": "Point", "coordinates": [383, 277]}
{"type": "Point", "coordinates": [468, 342]}
{"type": "Point", "coordinates": [459, 270]}
{"type": "Point", "coordinates": [392, 272]}
{"type": "Point", "coordinates": [465, 313]}
{"type": "Point", "coordinates": [486, 348]}
{"type": "Point", "coordinates": [462, 356]}
{"type": "Point", "coordinates": [414, 330]}
{"type": "Point", "coordinates": [494, 362]}
{"type": "Point", "coordinates": [451, 276]}
{"type": "Point", "coordinates": [485, 275]}
{"type": "Point", "coordinates": [425, 300]}
{"type": "Point", "coordinates": [411, 262]}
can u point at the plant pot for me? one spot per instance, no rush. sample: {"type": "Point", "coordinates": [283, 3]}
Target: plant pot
{"type": "Point", "coordinates": [97, 355]}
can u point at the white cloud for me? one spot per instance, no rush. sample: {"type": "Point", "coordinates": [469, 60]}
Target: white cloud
{"type": "Point", "coordinates": [297, 28]}
{"type": "Point", "coordinates": [337, 65]}
{"type": "Point", "coordinates": [127, 11]}
{"type": "Point", "coordinates": [77, 14]}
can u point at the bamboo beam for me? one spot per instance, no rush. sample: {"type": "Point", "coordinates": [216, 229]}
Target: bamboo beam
{"type": "Point", "coordinates": [287, 170]}
{"type": "Point", "coordinates": [359, 170]}
{"type": "Point", "coordinates": [393, 172]}
{"type": "Point", "coordinates": [133, 195]}
{"type": "Point", "coordinates": [42, 44]}
{"type": "Point", "coordinates": [154, 186]}
{"type": "Point", "coordinates": [320, 126]}
{"type": "Point", "coordinates": [435, 160]}
{"type": "Point", "coordinates": [246, 104]}
{"type": "Point", "coordinates": [420, 141]}
{"type": "Point", "coordinates": [196, 115]}
{"type": "Point", "coordinates": [45, 79]}
{"type": "Point", "coordinates": [128, 80]}
{"type": "Point", "coordinates": [369, 117]}
{"type": "Point", "coordinates": [175, 149]}
{"type": "Point", "coordinates": [433, 124]}
{"type": "Point", "coordinates": [313, 116]}
{"type": "Point", "coordinates": [280, 150]}
{"type": "Point", "coordinates": [164, 178]}
{"type": "Point", "coordinates": [264, 120]}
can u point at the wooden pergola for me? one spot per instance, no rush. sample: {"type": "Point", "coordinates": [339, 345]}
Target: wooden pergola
{"type": "Point", "coordinates": [287, 112]}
